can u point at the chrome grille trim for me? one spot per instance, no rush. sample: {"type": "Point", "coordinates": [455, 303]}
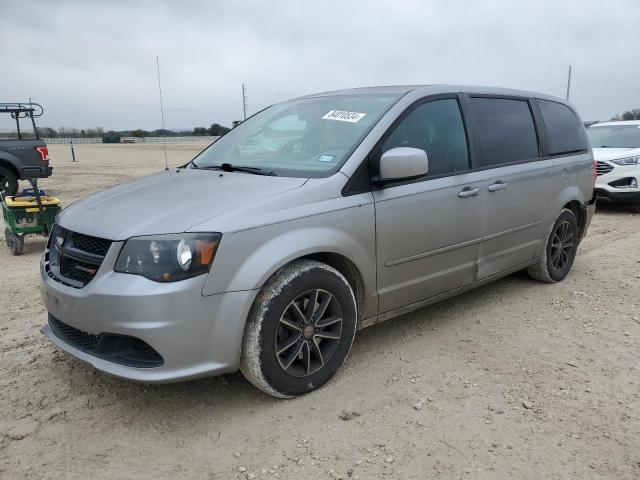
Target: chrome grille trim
{"type": "Point", "coordinates": [78, 258]}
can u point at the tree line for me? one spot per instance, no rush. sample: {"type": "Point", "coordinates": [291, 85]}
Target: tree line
{"type": "Point", "coordinates": [633, 114]}
{"type": "Point", "coordinates": [215, 130]}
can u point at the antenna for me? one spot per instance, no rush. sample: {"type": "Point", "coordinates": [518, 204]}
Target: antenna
{"type": "Point", "coordinates": [244, 100]}
{"type": "Point", "coordinates": [569, 82]}
{"type": "Point", "coordinates": [164, 130]}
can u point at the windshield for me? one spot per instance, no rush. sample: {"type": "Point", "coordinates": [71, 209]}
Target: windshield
{"type": "Point", "coordinates": [614, 136]}
{"type": "Point", "coordinates": [310, 137]}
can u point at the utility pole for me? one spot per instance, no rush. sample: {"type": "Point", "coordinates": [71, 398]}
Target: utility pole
{"type": "Point", "coordinates": [244, 101]}
{"type": "Point", "coordinates": [569, 83]}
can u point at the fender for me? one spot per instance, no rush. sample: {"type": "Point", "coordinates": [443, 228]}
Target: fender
{"type": "Point", "coordinates": [246, 260]}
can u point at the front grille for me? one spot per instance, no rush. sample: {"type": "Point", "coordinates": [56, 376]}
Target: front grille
{"type": "Point", "coordinates": [603, 168]}
{"type": "Point", "coordinates": [77, 270]}
{"type": "Point", "coordinates": [87, 243]}
{"type": "Point", "coordinates": [74, 258]}
{"type": "Point", "coordinates": [121, 349]}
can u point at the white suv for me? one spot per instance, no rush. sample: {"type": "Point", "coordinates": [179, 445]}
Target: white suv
{"type": "Point", "coordinates": [616, 148]}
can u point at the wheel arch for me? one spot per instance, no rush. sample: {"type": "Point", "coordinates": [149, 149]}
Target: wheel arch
{"type": "Point", "coordinates": [579, 211]}
{"type": "Point", "coordinates": [572, 198]}
{"type": "Point", "coordinates": [348, 254]}
{"type": "Point", "coordinates": [9, 165]}
{"type": "Point", "coordinates": [346, 267]}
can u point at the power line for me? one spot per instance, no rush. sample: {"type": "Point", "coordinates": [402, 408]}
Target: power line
{"type": "Point", "coordinates": [607, 77]}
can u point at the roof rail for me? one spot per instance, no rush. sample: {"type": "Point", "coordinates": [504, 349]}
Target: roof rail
{"type": "Point", "coordinates": [22, 110]}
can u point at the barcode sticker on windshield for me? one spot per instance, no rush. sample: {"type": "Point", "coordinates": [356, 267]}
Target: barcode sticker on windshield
{"type": "Point", "coordinates": [343, 116]}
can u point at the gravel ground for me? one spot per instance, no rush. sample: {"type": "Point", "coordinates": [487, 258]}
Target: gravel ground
{"type": "Point", "coordinates": [517, 379]}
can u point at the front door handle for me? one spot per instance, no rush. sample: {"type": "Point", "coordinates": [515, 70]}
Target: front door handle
{"type": "Point", "coordinates": [467, 192]}
{"type": "Point", "coordinates": [496, 187]}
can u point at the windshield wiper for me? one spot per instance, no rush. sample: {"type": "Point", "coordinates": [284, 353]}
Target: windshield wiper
{"type": "Point", "coordinates": [227, 167]}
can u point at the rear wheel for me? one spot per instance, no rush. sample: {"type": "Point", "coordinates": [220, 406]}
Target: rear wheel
{"type": "Point", "coordinates": [300, 330]}
{"type": "Point", "coordinates": [8, 182]}
{"type": "Point", "coordinates": [560, 250]}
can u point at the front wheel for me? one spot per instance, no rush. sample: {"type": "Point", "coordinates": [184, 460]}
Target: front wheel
{"type": "Point", "coordinates": [560, 250]}
{"type": "Point", "coordinates": [300, 329]}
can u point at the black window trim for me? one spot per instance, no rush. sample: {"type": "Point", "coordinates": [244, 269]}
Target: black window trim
{"type": "Point", "coordinates": [540, 137]}
{"type": "Point", "coordinates": [373, 158]}
{"type": "Point", "coordinates": [355, 183]}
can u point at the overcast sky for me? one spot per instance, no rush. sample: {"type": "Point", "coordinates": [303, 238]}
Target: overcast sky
{"type": "Point", "coordinates": [94, 64]}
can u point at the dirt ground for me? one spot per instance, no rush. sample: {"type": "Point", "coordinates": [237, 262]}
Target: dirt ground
{"type": "Point", "coordinates": [517, 379]}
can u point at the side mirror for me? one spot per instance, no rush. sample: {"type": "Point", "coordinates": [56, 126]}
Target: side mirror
{"type": "Point", "coordinates": [402, 163]}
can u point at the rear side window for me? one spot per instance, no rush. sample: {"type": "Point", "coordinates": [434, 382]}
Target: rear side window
{"type": "Point", "coordinates": [437, 128]}
{"type": "Point", "coordinates": [565, 131]}
{"type": "Point", "coordinates": [505, 130]}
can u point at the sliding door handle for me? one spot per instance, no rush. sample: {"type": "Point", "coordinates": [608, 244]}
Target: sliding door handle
{"type": "Point", "coordinates": [467, 192]}
{"type": "Point", "coordinates": [496, 187]}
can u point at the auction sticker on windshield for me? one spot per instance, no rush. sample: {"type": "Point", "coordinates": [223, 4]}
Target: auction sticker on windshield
{"type": "Point", "coordinates": [343, 116]}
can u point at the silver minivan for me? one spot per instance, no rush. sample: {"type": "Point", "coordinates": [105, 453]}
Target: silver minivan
{"type": "Point", "coordinates": [314, 218]}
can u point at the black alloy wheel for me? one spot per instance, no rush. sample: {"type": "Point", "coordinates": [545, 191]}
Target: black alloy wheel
{"type": "Point", "coordinates": [562, 245]}
{"type": "Point", "coordinates": [308, 333]}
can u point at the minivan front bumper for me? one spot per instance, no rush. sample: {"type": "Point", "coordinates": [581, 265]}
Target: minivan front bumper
{"type": "Point", "coordinates": [195, 335]}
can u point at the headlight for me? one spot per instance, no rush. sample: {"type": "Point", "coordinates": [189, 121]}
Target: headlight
{"type": "Point", "coordinates": [627, 161]}
{"type": "Point", "coordinates": [168, 258]}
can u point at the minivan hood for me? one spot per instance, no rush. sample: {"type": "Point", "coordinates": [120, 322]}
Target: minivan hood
{"type": "Point", "coordinates": [614, 153]}
{"type": "Point", "coordinates": [169, 202]}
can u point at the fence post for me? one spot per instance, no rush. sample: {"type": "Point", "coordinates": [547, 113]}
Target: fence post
{"type": "Point", "coordinates": [73, 151]}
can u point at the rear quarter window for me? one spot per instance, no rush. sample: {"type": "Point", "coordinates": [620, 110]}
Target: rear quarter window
{"type": "Point", "coordinates": [565, 131]}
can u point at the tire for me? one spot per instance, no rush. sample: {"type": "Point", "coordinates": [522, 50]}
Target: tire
{"type": "Point", "coordinates": [7, 236]}
{"type": "Point", "coordinates": [288, 350]}
{"type": "Point", "coordinates": [560, 250]}
{"type": "Point", "coordinates": [15, 243]}
{"type": "Point", "coordinates": [635, 206]}
{"type": "Point", "coordinates": [8, 182]}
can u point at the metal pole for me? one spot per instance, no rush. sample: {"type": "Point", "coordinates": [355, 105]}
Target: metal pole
{"type": "Point", "coordinates": [164, 130]}
{"type": "Point", "coordinates": [569, 83]}
{"type": "Point", "coordinates": [73, 151]}
{"type": "Point", "coordinates": [244, 101]}
{"type": "Point", "coordinates": [33, 122]}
